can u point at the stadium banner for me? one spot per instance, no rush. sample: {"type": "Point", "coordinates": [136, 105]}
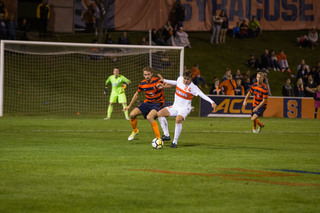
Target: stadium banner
{"type": "Point", "coordinates": [280, 107]}
{"type": "Point", "coordinates": [137, 15]}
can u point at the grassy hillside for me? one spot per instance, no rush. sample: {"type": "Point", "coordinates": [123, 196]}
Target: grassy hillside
{"type": "Point", "coordinates": [213, 59]}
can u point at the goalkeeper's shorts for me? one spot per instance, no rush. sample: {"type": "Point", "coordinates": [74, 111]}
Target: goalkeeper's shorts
{"type": "Point", "coordinates": [116, 96]}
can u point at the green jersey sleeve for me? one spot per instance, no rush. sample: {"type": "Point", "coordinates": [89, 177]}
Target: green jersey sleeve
{"type": "Point", "coordinates": [108, 81]}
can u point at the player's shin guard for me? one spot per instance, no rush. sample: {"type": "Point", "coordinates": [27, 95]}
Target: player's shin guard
{"type": "Point", "coordinates": [164, 125]}
{"type": "Point", "coordinates": [126, 113]}
{"type": "Point", "coordinates": [259, 122]}
{"type": "Point", "coordinates": [110, 109]}
{"type": "Point", "coordinates": [156, 129]}
{"type": "Point", "coordinates": [177, 132]}
{"type": "Point", "coordinates": [134, 124]}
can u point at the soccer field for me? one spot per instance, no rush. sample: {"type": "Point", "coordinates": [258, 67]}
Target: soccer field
{"type": "Point", "coordinates": [86, 164]}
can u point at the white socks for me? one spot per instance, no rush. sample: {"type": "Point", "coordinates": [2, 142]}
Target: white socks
{"type": "Point", "coordinates": [177, 132]}
{"type": "Point", "coordinates": [164, 125]}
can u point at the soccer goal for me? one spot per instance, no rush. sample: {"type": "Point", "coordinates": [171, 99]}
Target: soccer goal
{"type": "Point", "coordinates": [47, 78]}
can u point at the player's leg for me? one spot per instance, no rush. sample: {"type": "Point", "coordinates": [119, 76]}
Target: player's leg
{"type": "Point", "coordinates": [164, 124]}
{"type": "Point", "coordinates": [134, 123]}
{"type": "Point", "coordinates": [110, 109]}
{"type": "Point", "coordinates": [260, 124]}
{"type": "Point", "coordinates": [260, 114]}
{"type": "Point", "coordinates": [177, 130]}
{"type": "Point", "coordinates": [113, 99]}
{"type": "Point", "coordinates": [123, 100]}
{"type": "Point", "coordinates": [254, 123]}
{"type": "Point", "coordinates": [182, 113]}
{"type": "Point", "coordinates": [315, 113]}
{"type": "Point", "coordinates": [150, 117]}
{"type": "Point", "coordinates": [126, 113]}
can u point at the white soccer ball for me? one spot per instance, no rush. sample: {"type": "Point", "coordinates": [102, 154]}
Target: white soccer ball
{"type": "Point", "coordinates": [157, 143]}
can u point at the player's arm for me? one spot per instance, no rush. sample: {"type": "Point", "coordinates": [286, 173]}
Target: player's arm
{"type": "Point", "coordinates": [133, 100]}
{"type": "Point", "coordinates": [106, 86]}
{"type": "Point", "coordinates": [203, 96]}
{"type": "Point", "coordinates": [163, 85]}
{"type": "Point", "coordinates": [167, 86]}
{"type": "Point", "coordinates": [125, 80]}
{"type": "Point", "coordinates": [171, 82]}
{"type": "Point", "coordinates": [246, 98]}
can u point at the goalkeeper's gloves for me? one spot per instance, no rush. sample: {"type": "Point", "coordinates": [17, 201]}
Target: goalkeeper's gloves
{"type": "Point", "coordinates": [105, 91]}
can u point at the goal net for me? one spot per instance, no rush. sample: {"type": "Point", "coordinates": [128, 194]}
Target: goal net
{"type": "Point", "coordinates": [44, 78]}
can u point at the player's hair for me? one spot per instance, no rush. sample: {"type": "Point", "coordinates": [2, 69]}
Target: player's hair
{"type": "Point", "coordinates": [187, 73]}
{"type": "Point", "coordinates": [116, 68]}
{"type": "Point", "coordinates": [262, 74]}
{"type": "Point", "coordinates": [148, 69]}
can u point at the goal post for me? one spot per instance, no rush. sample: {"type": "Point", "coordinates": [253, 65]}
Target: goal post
{"type": "Point", "coordinates": [57, 78]}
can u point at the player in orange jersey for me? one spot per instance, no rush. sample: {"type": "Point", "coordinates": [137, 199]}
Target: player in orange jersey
{"type": "Point", "coordinates": [259, 105]}
{"type": "Point", "coordinates": [152, 104]}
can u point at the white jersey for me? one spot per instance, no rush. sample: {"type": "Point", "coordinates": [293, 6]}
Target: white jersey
{"type": "Point", "coordinates": [185, 93]}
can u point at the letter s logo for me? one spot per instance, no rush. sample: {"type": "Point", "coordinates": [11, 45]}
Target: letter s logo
{"type": "Point", "coordinates": [292, 107]}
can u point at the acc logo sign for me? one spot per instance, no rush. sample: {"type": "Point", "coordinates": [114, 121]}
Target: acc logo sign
{"type": "Point", "coordinates": [234, 106]}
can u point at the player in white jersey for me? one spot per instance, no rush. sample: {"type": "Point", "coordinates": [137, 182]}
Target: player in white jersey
{"type": "Point", "coordinates": [185, 91]}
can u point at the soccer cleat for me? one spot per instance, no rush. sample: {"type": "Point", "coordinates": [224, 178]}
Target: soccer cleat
{"type": "Point", "coordinates": [173, 145]}
{"type": "Point", "coordinates": [127, 118]}
{"type": "Point", "coordinates": [165, 138]}
{"type": "Point", "coordinates": [107, 118]}
{"type": "Point", "coordinates": [133, 134]}
{"type": "Point", "coordinates": [260, 128]}
{"type": "Point", "coordinates": [255, 131]}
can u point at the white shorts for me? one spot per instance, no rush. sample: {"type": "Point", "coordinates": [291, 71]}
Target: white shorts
{"type": "Point", "coordinates": [183, 111]}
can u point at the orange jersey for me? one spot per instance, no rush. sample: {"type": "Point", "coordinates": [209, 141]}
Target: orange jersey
{"type": "Point", "coordinates": [228, 86]}
{"type": "Point", "coordinates": [153, 94]}
{"type": "Point", "coordinates": [195, 72]}
{"type": "Point", "coordinates": [260, 93]}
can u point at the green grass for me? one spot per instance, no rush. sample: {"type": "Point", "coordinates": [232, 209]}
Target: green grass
{"type": "Point", "coordinates": [85, 164]}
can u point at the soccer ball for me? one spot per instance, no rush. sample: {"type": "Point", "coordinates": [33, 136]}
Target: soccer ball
{"type": "Point", "coordinates": [157, 143]}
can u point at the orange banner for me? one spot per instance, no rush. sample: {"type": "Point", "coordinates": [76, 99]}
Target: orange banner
{"type": "Point", "coordinates": [137, 15]}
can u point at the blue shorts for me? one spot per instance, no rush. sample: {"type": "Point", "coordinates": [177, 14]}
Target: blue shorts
{"type": "Point", "coordinates": [259, 112]}
{"type": "Point", "coordinates": [145, 108]}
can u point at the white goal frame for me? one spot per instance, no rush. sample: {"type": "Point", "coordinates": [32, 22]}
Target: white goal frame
{"type": "Point", "coordinates": [68, 44]}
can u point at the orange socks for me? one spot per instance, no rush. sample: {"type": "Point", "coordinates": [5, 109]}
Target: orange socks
{"type": "Point", "coordinates": [259, 122]}
{"type": "Point", "coordinates": [254, 122]}
{"type": "Point", "coordinates": [134, 124]}
{"type": "Point", "coordinates": [156, 129]}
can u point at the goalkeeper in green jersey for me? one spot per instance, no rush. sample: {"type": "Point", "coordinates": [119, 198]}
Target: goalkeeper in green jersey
{"type": "Point", "coordinates": [119, 84]}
